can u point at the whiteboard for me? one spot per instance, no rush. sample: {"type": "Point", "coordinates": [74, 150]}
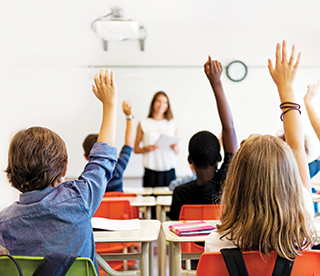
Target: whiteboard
{"type": "Point", "coordinates": [64, 102]}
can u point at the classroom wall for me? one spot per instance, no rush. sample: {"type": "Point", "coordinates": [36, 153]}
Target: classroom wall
{"type": "Point", "coordinates": [49, 55]}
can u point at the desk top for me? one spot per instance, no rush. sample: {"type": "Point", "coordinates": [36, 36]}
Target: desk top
{"type": "Point", "coordinates": [149, 232]}
{"type": "Point", "coordinates": [138, 201]}
{"type": "Point", "coordinates": [164, 200]}
{"type": "Point", "coordinates": [172, 237]}
{"type": "Point", "coordinates": [138, 190]}
{"type": "Point", "coordinates": [161, 191]}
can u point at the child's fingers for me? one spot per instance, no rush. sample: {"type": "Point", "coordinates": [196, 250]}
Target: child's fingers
{"type": "Point", "coordinates": [278, 54]}
{"type": "Point", "coordinates": [107, 76]}
{"type": "Point", "coordinates": [210, 64]}
{"type": "Point", "coordinates": [94, 90]}
{"type": "Point", "coordinates": [292, 55]}
{"type": "Point", "coordinates": [270, 66]}
{"type": "Point", "coordinates": [102, 76]}
{"type": "Point", "coordinates": [298, 61]}
{"type": "Point", "coordinates": [96, 80]}
{"type": "Point", "coordinates": [284, 51]}
{"type": "Point", "coordinates": [112, 80]}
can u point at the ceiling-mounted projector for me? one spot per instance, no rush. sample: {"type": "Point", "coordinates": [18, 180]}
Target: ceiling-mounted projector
{"type": "Point", "coordinates": [117, 28]}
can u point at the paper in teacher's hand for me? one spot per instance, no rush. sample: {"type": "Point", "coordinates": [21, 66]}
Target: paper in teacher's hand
{"type": "Point", "coordinates": [114, 224]}
{"type": "Point", "coordinates": [166, 141]}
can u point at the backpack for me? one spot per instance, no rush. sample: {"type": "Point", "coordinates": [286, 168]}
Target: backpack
{"type": "Point", "coordinates": [236, 266]}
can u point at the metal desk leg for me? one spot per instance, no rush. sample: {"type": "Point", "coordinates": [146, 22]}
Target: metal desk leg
{"type": "Point", "coordinates": [150, 259]}
{"type": "Point", "coordinates": [175, 258]}
{"type": "Point", "coordinates": [147, 212]}
{"type": "Point", "coordinates": [144, 263]}
{"type": "Point", "coordinates": [161, 243]}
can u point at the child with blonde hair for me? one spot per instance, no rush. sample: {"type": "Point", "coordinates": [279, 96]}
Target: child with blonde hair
{"type": "Point", "coordinates": [267, 192]}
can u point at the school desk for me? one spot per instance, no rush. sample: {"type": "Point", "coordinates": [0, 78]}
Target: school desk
{"type": "Point", "coordinates": [140, 201]}
{"type": "Point", "coordinates": [144, 191]}
{"type": "Point", "coordinates": [163, 204]}
{"type": "Point", "coordinates": [158, 191]}
{"type": "Point", "coordinates": [148, 233]}
{"type": "Point", "coordinates": [175, 255]}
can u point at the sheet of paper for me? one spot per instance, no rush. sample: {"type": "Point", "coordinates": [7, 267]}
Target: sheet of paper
{"type": "Point", "coordinates": [115, 224]}
{"type": "Point", "coordinates": [165, 141]}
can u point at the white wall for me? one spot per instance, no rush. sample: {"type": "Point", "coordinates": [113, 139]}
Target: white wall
{"type": "Point", "coordinates": [49, 55]}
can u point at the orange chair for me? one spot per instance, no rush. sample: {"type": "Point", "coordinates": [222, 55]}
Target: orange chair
{"type": "Point", "coordinates": [212, 264]}
{"type": "Point", "coordinates": [197, 212]}
{"type": "Point", "coordinates": [135, 210]}
{"type": "Point", "coordinates": [119, 209]}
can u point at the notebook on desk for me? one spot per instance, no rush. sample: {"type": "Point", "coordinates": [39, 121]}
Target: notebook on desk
{"type": "Point", "coordinates": [193, 228]}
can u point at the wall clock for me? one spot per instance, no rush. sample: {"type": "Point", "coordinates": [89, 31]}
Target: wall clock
{"type": "Point", "coordinates": [237, 71]}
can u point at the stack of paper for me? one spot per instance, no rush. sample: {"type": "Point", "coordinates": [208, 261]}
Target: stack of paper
{"type": "Point", "coordinates": [193, 228]}
{"type": "Point", "coordinates": [115, 224]}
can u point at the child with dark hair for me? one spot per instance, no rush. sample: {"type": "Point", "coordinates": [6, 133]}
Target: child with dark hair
{"type": "Point", "coordinates": [52, 215]}
{"type": "Point", "coordinates": [116, 183]}
{"type": "Point", "coordinates": [204, 153]}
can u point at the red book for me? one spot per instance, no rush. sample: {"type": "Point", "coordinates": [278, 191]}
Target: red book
{"type": "Point", "coordinates": [193, 228]}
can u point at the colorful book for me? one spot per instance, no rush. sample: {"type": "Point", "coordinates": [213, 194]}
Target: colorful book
{"type": "Point", "coordinates": [193, 228]}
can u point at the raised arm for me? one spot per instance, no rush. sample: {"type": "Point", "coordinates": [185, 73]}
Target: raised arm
{"type": "Point", "coordinates": [312, 113]}
{"type": "Point", "coordinates": [105, 90]}
{"type": "Point", "coordinates": [283, 75]}
{"type": "Point", "coordinates": [213, 71]}
{"type": "Point", "coordinates": [129, 136]}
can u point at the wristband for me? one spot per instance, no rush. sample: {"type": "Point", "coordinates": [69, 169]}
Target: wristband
{"type": "Point", "coordinates": [129, 117]}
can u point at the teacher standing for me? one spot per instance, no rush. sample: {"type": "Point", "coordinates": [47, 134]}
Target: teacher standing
{"type": "Point", "coordinates": [159, 164]}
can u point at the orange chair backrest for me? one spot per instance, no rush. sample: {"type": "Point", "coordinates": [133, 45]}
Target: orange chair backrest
{"type": "Point", "coordinates": [114, 209]}
{"type": "Point", "coordinates": [212, 264]}
{"type": "Point", "coordinates": [200, 212]}
{"type": "Point", "coordinates": [119, 194]}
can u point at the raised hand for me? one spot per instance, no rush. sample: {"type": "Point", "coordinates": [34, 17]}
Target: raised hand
{"type": "Point", "coordinates": [213, 71]}
{"type": "Point", "coordinates": [105, 87]}
{"type": "Point", "coordinates": [126, 107]}
{"type": "Point", "coordinates": [284, 72]}
{"type": "Point", "coordinates": [312, 91]}
{"type": "Point", "coordinates": [105, 90]}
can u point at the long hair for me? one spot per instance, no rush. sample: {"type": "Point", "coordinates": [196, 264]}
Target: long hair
{"type": "Point", "coordinates": [37, 157]}
{"type": "Point", "coordinates": [264, 206]}
{"type": "Point", "coordinates": [168, 114]}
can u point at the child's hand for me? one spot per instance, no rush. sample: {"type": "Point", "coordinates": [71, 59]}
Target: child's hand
{"type": "Point", "coordinates": [105, 87]}
{"type": "Point", "coordinates": [312, 91]}
{"type": "Point", "coordinates": [284, 72]}
{"type": "Point", "coordinates": [213, 70]}
{"type": "Point", "coordinates": [126, 107]}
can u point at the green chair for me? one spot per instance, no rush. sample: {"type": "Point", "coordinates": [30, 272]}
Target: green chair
{"type": "Point", "coordinates": [28, 265]}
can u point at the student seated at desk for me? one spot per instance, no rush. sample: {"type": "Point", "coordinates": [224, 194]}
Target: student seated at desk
{"type": "Point", "coordinates": [116, 183]}
{"type": "Point", "coordinates": [267, 193]}
{"type": "Point", "coordinates": [53, 215]}
{"type": "Point", "coordinates": [204, 153]}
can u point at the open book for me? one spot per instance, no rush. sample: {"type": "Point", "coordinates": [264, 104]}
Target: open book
{"type": "Point", "coordinates": [115, 224]}
{"type": "Point", "coordinates": [192, 228]}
